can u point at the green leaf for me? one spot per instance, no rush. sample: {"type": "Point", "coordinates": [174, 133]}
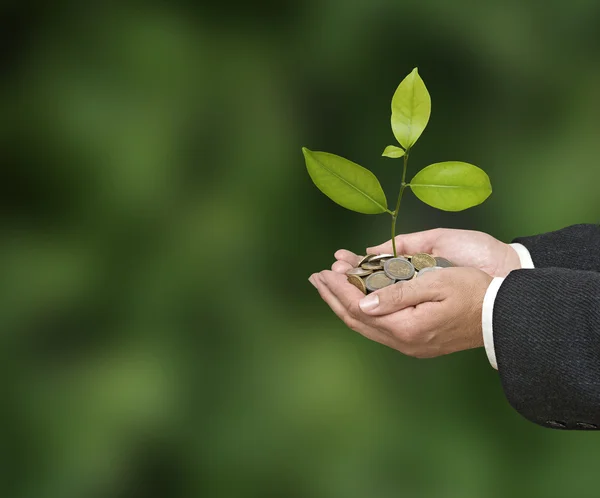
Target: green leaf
{"type": "Point", "coordinates": [346, 183]}
{"type": "Point", "coordinates": [393, 152]}
{"type": "Point", "coordinates": [411, 108]}
{"type": "Point", "coordinates": [452, 185]}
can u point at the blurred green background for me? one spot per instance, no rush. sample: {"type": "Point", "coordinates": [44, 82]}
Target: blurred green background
{"type": "Point", "coordinates": [159, 336]}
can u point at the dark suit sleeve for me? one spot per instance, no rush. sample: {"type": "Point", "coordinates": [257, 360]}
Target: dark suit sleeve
{"type": "Point", "coordinates": [576, 247]}
{"type": "Point", "coordinates": [546, 325]}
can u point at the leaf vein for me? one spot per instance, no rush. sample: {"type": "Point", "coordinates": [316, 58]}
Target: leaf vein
{"type": "Point", "coordinates": [351, 185]}
{"type": "Point", "coordinates": [448, 186]}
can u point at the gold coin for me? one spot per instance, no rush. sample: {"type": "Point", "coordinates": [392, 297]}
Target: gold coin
{"type": "Point", "coordinates": [371, 266]}
{"type": "Point", "coordinates": [377, 281]}
{"type": "Point", "coordinates": [359, 272]}
{"type": "Point", "coordinates": [423, 260]}
{"type": "Point", "coordinates": [358, 283]}
{"type": "Point", "coordinates": [399, 269]}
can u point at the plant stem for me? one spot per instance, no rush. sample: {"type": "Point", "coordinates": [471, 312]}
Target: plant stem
{"type": "Point", "coordinates": [395, 214]}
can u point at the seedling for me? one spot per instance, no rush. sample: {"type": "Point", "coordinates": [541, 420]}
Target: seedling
{"type": "Point", "coordinates": [449, 186]}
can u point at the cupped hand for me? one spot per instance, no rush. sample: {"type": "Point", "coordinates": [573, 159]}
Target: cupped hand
{"type": "Point", "coordinates": [462, 247]}
{"type": "Point", "coordinates": [435, 314]}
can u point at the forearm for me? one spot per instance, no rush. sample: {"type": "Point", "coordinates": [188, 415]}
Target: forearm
{"type": "Point", "coordinates": [576, 247]}
{"type": "Point", "coordinates": [546, 334]}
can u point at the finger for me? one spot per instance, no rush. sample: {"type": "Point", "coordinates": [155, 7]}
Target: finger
{"type": "Point", "coordinates": [348, 295]}
{"type": "Point", "coordinates": [341, 267]}
{"type": "Point", "coordinates": [403, 295]}
{"type": "Point", "coordinates": [340, 310]}
{"type": "Point", "coordinates": [348, 256]}
{"type": "Point", "coordinates": [410, 243]}
{"type": "Point", "coordinates": [328, 296]}
{"type": "Point", "coordinates": [375, 328]}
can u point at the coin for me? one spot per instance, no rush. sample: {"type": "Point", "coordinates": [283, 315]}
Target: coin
{"type": "Point", "coordinates": [422, 260]}
{"type": "Point", "coordinates": [443, 262]}
{"type": "Point", "coordinates": [366, 258]}
{"type": "Point", "coordinates": [371, 266]}
{"type": "Point", "coordinates": [379, 257]}
{"type": "Point", "coordinates": [359, 272]}
{"type": "Point", "coordinates": [429, 269]}
{"type": "Point", "coordinates": [377, 281]}
{"type": "Point", "coordinates": [399, 269]}
{"type": "Point", "coordinates": [358, 283]}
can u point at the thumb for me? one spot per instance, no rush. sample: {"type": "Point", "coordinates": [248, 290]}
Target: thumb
{"type": "Point", "coordinates": [410, 243]}
{"type": "Point", "coordinates": [402, 295]}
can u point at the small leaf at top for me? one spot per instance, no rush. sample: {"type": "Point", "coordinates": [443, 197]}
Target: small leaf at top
{"type": "Point", "coordinates": [452, 185]}
{"type": "Point", "coordinates": [411, 107]}
{"type": "Point", "coordinates": [346, 183]}
{"type": "Point", "coordinates": [393, 152]}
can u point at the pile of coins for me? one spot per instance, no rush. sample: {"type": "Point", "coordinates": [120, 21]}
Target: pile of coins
{"type": "Point", "coordinates": [375, 272]}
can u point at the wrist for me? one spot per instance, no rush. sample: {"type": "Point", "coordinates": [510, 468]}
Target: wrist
{"type": "Point", "coordinates": [478, 290]}
{"type": "Point", "coordinates": [512, 261]}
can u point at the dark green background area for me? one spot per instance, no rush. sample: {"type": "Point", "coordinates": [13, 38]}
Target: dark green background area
{"type": "Point", "coordinates": [158, 334]}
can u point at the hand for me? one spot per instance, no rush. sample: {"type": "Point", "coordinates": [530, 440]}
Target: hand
{"type": "Point", "coordinates": [436, 314]}
{"type": "Point", "coordinates": [462, 247]}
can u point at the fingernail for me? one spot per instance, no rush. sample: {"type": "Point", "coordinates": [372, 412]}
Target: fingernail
{"type": "Point", "coordinates": [312, 281]}
{"type": "Point", "coordinates": [370, 302]}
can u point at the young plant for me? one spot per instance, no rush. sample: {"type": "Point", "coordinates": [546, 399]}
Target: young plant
{"type": "Point", "coordinates": [449, 186]}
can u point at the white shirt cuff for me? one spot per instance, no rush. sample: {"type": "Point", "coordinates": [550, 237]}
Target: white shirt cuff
{"type": "Point", "coordinates": [487, 316]}
{"type": "Point", "coordinates": [524, 256]}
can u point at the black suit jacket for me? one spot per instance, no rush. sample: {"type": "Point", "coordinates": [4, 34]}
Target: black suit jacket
{"type": "Point", "coordinates": [547, 330]}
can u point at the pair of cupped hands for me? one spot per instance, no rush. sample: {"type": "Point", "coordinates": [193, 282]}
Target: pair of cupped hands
{"type": "Point", "coordinates": [436, 314]}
